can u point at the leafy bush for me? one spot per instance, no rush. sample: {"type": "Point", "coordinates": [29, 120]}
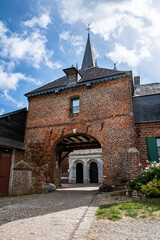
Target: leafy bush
{"type": "Point", "coordinates": [149, 174]}
{"type": "Point", "coordinates": [152, 189]}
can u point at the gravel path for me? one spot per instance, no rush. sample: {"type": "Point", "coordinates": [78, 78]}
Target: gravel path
{"type": "Point", "coordinates": [125, 229]}
{"type": "Point", "coordinates": [128, 229]}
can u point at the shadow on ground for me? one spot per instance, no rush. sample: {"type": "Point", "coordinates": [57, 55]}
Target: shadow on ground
{"type": "Point", "coordinates": [65, 198]}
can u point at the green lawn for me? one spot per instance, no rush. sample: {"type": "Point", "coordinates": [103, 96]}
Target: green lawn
{"type": "Point", "coordinates": [135, 209]}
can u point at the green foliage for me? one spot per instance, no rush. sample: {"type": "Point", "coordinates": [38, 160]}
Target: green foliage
{"type": "Point", "coordinates": [136, 209]}
{"type": "Point", "coordinates": [150, 173]}
{"type": "Point", "coordinates": [152, 189]}
{"type": "Point", "coordinates": [109, 211]}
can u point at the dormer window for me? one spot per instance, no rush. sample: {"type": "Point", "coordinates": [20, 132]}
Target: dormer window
{"type": "Point", "coordinates": [72, 75]}
{"type": "Point", "coordinates": [74, 105]}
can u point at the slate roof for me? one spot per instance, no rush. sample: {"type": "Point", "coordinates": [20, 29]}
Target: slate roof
{"type": "Point", "coordinates": [90, 74]}
{"type": "Point", "coordinates": [12, 125]}
{"type": "Point", "coordinates": [147, 89]}
{"type": "Point", "coordinates": [146, 108]}
{"type": "Point", "coordinates": [89, 58]}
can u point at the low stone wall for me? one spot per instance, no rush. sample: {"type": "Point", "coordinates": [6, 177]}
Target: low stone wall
{"type": "Point", "coordinates": [22, 179]}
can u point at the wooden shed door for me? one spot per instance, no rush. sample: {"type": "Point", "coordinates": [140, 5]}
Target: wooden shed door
{"type": "Point", "coordinates": [5, 164]}
{"type": "Point", "coordinates": [93, 173]}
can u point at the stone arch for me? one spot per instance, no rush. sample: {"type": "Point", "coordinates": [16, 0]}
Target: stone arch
{"type": "Point", "coordinates": [93, 172]}
{"type": "Point", "coordinates": [72, 171]}
{"type": "Point", "coordinates": [99, 162]}
{"type": "Point", "coordinates": [79, 172]}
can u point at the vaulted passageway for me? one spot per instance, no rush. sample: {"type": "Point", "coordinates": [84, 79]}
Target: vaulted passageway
{"type": "Point", "coordinates": [74, 159]}
{"type": "Point", "coordinates": [77, 142]}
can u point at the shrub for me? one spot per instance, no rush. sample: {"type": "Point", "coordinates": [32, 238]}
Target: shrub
{"type": "Point", "coordinates": [152, 189]}
{"type": "Point", "coordinates": [149, 174]}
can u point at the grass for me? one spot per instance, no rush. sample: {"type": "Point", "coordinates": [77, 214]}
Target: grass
{"type": "Point", "coordinates": [135, 209]}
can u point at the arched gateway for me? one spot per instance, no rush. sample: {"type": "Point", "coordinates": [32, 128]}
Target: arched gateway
{"type": "Point", "coordinates": [66, 145]}
{"type": "Point", "coordinates": [87, 108]}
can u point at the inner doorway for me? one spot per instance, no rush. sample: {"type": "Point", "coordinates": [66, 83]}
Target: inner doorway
{"type": "Point", "coordinates": [79, 173]}
{"type": "Point", "coordinates": [93, 172]}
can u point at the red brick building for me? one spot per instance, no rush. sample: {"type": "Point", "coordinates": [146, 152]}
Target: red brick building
{"type": "Point", "coordinates": [87, 108]}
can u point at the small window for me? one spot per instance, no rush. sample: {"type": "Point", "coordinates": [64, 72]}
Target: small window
{"type": "Point", "coordinates": [75, 105]}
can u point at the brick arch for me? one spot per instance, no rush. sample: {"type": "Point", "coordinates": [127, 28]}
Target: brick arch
{"type": "Point", "coordinates": [71, 141]}
{"type": "Point", "coordinates": [71, 134]}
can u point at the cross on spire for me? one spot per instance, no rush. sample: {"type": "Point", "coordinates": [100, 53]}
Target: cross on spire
{"type": "Point", "coordinates": [88, 59]}
{"type": "Point", "coordinates": [88, 29]}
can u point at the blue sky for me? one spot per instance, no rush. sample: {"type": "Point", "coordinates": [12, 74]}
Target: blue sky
{"type": "Point", "coordinates": [39, 38]}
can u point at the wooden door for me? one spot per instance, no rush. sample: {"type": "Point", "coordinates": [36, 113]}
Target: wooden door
{"type": "Point", "coordinates": [79, 173]}
{"type": "Point", "coordinates": [5, 165]}
{"type": "Point", "coordinates": [93, 173]}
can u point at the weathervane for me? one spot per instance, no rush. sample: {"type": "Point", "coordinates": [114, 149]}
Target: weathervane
{"type": "Point", "coordinates": [88, 29]}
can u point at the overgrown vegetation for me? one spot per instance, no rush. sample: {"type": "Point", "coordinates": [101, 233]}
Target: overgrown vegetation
{"type": "Point", "coordinates": [136, 209]}
{"type": "Point", "coordinates": [148, 182]}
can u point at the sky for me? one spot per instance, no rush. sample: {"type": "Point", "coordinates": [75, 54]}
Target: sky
{"type": "Point", "coordinates": [39, 38]}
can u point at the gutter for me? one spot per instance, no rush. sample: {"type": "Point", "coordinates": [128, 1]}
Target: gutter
{"type": "Point", "coordinates": [85, 83]}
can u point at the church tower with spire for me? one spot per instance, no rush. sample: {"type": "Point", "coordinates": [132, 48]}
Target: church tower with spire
{"type": "Point", "coordinates": [86, 108]}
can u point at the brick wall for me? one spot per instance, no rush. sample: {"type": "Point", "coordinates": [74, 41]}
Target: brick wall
{"type": "Point", "coordinates": [143, 131]}
{"type": "Point", "coordinates": [105, 114]}
{"type": "Point", "coordinates": [64, 168]}
{"type": "Point", "coordinates": [22, 179]}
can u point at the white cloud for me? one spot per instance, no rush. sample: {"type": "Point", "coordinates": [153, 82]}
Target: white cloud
{"type": "Point", "coordinates": [132, 26]}
{"type": "Point", "coordinates": [74, 40]}
{"type": "Point", "coordinates": [9, 98]}
{"type": "Point", "coordinates": [79, 50]}
{"type": "Point", "coordinates": [62, 48]}
{"type": "Point", "coordinates": [10, 80]}
{"type": "Point", "coordinates": [2, 111]}
{"type": "Point", "coordinates": [64, 35]}
{"type": "Point", "coordinates": [28, 47]}
{"type": "Point", "coordinates": [42, 21]}
{"type": "Point", "coordinates": [120, 53]}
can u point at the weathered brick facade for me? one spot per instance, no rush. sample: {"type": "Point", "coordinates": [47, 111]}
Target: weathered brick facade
{"type": "Point", "coordinates": [105, 114]}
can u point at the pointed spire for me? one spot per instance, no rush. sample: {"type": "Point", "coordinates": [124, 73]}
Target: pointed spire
{"type": "Point", "coordinates": [88, 59]}
{"type": "Point", "coordinates": [115, 67]}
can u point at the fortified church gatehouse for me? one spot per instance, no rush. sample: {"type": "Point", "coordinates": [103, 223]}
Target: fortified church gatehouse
{"type": "Point", "coordinates": [87, 108]}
